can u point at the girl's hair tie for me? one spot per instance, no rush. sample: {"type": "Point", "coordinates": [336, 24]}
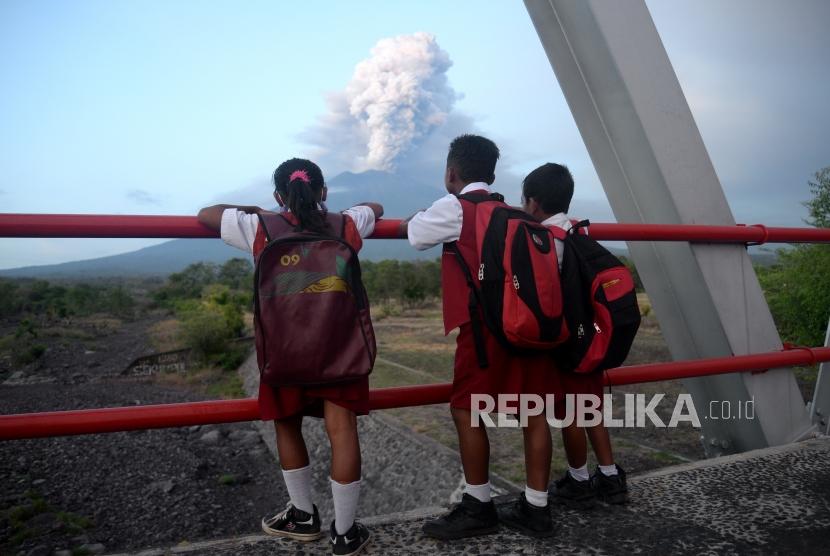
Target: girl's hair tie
{"type": "Point", "coordinates": [301, 175]}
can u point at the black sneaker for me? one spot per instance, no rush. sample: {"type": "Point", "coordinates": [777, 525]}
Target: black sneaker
{"type": "Point", "coordinates": [470, 518]}
{"type": "Point", "coordinates": [294, 523]}
{"type": "Point", "coordinates": [613, 489]}
{"type": "Point", "coordinates": [354, 541]}
{"type": "Point", "coordinates": [527, 518]}
{"type": "Point", "coordinates": [567, 491]}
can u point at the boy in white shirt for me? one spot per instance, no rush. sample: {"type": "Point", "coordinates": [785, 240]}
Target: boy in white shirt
{"type": "Point", "coordinates": [546, 194]}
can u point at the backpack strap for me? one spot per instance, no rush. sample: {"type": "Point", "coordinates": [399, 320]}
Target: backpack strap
{"type": "Point", "coordinates": [473, 306]}
{"type": "Point", "coordinates": [337, 221]}
{"type": "Point", "coordinates": [479, 196]}
{"type": "Point", "coordinates": [274, 224]}
{"type": "Point", "coordinates": [579, 227]}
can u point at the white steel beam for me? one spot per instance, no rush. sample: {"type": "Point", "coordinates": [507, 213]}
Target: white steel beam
{"type": "Point", "coordinates": [649, 155]}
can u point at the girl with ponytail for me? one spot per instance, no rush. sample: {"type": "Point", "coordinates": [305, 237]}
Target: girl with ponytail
{"type": "Point", "coordinates": [300, 191]}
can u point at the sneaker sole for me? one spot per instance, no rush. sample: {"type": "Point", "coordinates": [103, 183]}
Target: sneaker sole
{"type": "Point", "coordinates": [360, 548]}
{"type": "Point", "coordinates": [463, 535]}
{"type": "Point", "coordinates": [302, 537]}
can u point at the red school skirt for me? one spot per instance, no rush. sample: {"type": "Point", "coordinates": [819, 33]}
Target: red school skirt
{"type": "Point", "coordinates": [507, 373]}
{"type": "Point", "coordinates": [290, 401]}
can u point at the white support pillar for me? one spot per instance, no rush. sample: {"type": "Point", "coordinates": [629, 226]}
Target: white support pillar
{"type": "Point", "coordinates": [820, 406]}
{"type": "Point", "coordinates": [644, 143]}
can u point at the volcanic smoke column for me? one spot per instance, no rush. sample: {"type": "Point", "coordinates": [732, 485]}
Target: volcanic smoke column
{"type": "Point", "coordinates": [395, 97]}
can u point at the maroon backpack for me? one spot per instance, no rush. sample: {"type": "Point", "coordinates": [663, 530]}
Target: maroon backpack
{"type": "Point", "coordinates": [601, 308]}
{"type": "Point", "coordinates": [311, 313]}
{"type": "Point", "coordinates": [517, 282]}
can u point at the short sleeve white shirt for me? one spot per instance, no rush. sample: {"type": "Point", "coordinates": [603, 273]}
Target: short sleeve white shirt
{"type": "Point", "coordinates": [238, 228]}
{"type": "Point", "coordinates": [440, 223]}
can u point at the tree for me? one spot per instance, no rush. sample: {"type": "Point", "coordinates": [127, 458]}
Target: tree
{"type": "Point", "coordinates": [819, 206]}
{"type": "Point", "coordinates": [798, 286]}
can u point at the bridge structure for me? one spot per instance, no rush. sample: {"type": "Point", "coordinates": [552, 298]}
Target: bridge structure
{"type": "Point", "coordinates": [689, 251]}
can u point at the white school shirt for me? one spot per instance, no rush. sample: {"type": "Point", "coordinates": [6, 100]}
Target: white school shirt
{"type": "Point", "coordinates": [440, 223]}
{"type": "Point", "coordinates": [239, 228]}
{"type": "Point", "coordinates": [560, 220]}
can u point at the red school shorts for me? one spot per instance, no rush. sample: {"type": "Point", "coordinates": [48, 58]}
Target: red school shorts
{"type": "Point", "coordinates": [507, 373]}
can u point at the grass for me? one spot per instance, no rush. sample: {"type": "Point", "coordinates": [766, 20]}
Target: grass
{"type": "Point", "coordinates": [211, 381]}
{"type": "Point", "coordinates": [413, 338]}
{"type": "Point", "coordinates": [18, 519]}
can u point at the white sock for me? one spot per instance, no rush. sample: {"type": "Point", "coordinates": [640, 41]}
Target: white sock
{"type": "Point", "coordinates": [479, 492]}
{"type": "Point", "coordinates": [538, 498]}
{"type": "Point", "coordinates": [345, 504]}
{"type": "Point", "coordinates": [580, 474]}
{"type": "Point", "coordinates": [609, 470]}
{"type": "Point", "coordinates": [298, 483]}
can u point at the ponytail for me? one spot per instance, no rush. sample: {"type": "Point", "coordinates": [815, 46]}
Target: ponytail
{"type": "Point", "coordinates": [300, 182]}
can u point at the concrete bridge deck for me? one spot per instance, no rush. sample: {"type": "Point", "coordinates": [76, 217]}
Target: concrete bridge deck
{"type": "Point", "coordinates": [771, 501]}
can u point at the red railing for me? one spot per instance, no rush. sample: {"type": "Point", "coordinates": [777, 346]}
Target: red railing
{"type": "Point", "coordinates": [86, 421]}
{"type": "Point", "coordinates": [118, 226]}
{"type": "Point", "coordinates": [60, 423]}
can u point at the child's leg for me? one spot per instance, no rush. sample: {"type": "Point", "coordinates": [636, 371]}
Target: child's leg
{"type": "Point", "coordinates": [576, 447]}
{"type": "Point", "coordinates": [474, 447]}
{"type": "Point", "coordinates": [341, 426]}
{"type": "Point", "coordinates": [538, 451]}
{"type": "Point", "coordinates": [293, 456]}
{"type": "Point", "coordinates": [601, 443]}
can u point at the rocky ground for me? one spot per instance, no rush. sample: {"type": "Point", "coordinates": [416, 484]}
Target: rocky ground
{"type": "Point", "coordinates": [126, 491]}
{"type": "Point", "coordinates": [104, 492]}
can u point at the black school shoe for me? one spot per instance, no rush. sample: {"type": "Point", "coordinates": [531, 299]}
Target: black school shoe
{"type": "Point", "coordinates": [470, 518]}
{"type": "Point", "coordinates": [613, 489]}
{"type": "Point", "coordinates": [294, 524]}
{"type": "Point", "coordinates": [527, 518]}
{"type": "Point", "coordinates": [578, 495]}
{"type": "Point", "coordinates": [354, 541]}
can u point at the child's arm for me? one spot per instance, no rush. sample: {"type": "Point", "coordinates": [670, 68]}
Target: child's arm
{"type": "Point", "coordinates": [440, 223]}
{"type": "Point", "coordinates": [236, 224]}
{"type": "Point", "coordinates": [212, 216]}
{"type": "Point", "coordinates": [364, 216]}
{"type": "Point", "coordinates": [377, 208]}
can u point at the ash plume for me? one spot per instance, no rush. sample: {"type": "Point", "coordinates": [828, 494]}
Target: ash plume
{"type": "Point", "coordinates": [395, 98]}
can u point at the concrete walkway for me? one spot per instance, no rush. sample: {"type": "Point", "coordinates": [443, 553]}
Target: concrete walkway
{"type": "Point", "coordinates": [772, 501]}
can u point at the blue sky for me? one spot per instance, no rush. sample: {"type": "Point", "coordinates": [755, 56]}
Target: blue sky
{"type": "Point", "coordinates": [158, 107]}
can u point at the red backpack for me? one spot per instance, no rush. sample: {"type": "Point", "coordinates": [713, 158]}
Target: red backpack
{"type": "Point", "coordinates": [516, 286]}
{"type": "Point", "coordinates": [311, 313]}
{"type": "Point", "coordinates": [601, 309]}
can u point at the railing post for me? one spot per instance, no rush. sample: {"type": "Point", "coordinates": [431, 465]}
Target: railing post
{"type": "Point", "coordinates": [820, 407]}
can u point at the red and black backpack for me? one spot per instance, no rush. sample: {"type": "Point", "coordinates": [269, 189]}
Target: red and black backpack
{"type": "Point", "coordinates": [601, 308]}
{"type": "Point", "coordinates": [516, 286]}
{"type": "Point", "coordinates": [311, 312]}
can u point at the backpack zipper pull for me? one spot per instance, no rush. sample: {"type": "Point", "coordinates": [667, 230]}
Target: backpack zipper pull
{"type": "Point", "coordinates": [515, 282]}
{"type": "Point", "coordinates": [481, 272]}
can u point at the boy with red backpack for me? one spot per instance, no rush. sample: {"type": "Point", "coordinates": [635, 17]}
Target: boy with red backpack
{"type": "Point", "coordinates": [483, 365]}
{"type": "Point", "coordinates": [315, 345]}
{"type": "Point", "coordinates": [546, 195]}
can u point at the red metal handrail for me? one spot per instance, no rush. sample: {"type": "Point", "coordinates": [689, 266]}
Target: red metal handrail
{"type": "Point", "coordinates": [86, 421]}
{"type": "Point", "coordinates": [120, 226]}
